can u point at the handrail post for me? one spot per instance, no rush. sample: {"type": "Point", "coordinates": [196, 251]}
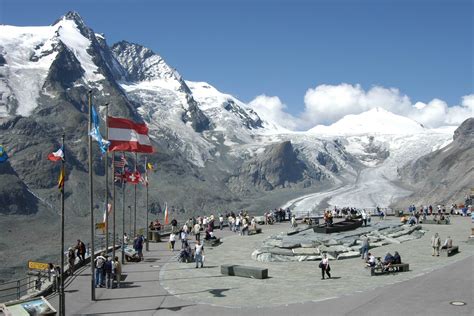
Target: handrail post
{"type": "Point", "coordinates": [18, 284]}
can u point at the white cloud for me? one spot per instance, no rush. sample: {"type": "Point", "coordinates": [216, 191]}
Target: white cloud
{"type": "Point", "coordinates": [326, 104]}
{"type": "Point", "coordinates": [271, 109]}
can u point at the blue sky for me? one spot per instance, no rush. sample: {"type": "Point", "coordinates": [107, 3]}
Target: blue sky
{"type": "Point", "coordinates": [285, 47]}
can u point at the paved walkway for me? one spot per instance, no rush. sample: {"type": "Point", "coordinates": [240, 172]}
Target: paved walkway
{"type": "Point", "coordinates": [160, 286]}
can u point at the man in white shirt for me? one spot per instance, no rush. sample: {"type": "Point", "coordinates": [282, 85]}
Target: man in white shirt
{"type": "Point", "coordinates": [199, 254]}
{"type": "Point", "coordinates": [371, 260]}
{"type": "Point", "coordinates": [221, 222]}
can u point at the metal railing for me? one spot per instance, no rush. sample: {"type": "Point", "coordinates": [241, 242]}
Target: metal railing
{"type": "Point", "coordinates": [34, 282]}
{"type": "Point", "coordinates": [14, 290]}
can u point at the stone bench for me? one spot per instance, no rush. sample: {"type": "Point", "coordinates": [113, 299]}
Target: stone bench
{"type": "Point", "coordinates": [435, 222]}
{"type": "Point", "coordinates": [450, 251]}
{"type": "Point", "coordinates": [244, 271]}
{"type": "Point", "coordinates": [255, 231]}
{"type": "Point", "coordinates": [399, 267]}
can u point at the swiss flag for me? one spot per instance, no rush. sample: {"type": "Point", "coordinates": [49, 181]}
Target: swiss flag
{"type": "Point", "coordinates": [132, 177]}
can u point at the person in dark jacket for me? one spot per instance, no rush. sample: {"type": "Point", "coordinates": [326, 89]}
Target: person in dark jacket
{"type": "Point", "coordinates": [81, 250]}
{"type": "Point", "coordinates": [109, 272]}
{"type": "Point", "coordinates": [387, 261]}
{"type": "Point", "coordinates": [396, 258]}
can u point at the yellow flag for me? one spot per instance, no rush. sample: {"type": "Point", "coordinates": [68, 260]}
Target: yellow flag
{"type": "Point", "coordinates": [149, 166]}
{"type": "Point", "coordinates": [62, 176]}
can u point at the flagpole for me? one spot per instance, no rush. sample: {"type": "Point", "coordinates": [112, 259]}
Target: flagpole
{"type": "Point", "coordinates": [146, 207]}
{"type": "Point", "coordinates": [61, 291]}
{"type": "Point", "coordinates": [135, 202]}
{"type": "Point", "coordinates": [113, 203]}
{"type": "Point", "coordinates": [106, 161]}
{"type": "Point", "coordinates": [91, 201]}
{"type": "Point", "coordinates": [123, 213]}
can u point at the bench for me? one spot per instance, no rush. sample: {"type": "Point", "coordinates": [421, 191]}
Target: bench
{"type": "Point", "coordinates": [450, 251]}
{"type": "Point", "coordinates": [399, 267]}
{"type": "Point", "coordinates": [435, 222]}
{"type": "Point", "coordinates": [255, 231]}
{"type": "Point", "coordinates": [244, 271]}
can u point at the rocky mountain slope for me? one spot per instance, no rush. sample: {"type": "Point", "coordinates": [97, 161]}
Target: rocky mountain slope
{"type": "Point", "coordinates": [202, 136]}
{"type": "Point", "coordinates": [445, 175]}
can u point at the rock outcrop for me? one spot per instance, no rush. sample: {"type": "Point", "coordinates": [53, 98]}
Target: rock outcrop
{"type": "Point", "coordinates": [306, 245]}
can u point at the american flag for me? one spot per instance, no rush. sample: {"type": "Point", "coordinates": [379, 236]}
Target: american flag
{"type": "Point", "coordinates": [120, 163]}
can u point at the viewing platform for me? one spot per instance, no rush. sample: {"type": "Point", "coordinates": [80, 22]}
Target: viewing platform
{"type": "Point", "coordinates": [160, 285]}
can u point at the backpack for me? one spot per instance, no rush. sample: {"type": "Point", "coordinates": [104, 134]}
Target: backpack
{"type": "Point", "coordinates": [99, 263]}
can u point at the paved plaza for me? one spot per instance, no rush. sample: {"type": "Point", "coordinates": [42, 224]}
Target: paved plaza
{"type": "Point", "coordinates": [160, 285]}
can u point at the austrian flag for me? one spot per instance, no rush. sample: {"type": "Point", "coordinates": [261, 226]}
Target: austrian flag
{"type": "Point", "coordinates": [126, 135]}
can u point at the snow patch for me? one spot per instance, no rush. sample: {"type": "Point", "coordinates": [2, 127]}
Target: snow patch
{"type": "Point", "coordinates": [70, 35]}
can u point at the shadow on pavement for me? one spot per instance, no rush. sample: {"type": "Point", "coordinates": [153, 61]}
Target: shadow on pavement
{"type": "Point", "coordinates": [191, 278]}
{"type": "Point", "coordinates": [137, 311]}
{"type": "Point", "coordinates": [218, 292]}
{"type": "Point", "coordinates": [147, 296]}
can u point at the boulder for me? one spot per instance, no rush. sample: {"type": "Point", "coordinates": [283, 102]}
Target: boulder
{"type": "Point", "coordinates": [255, 254]}
{"type": "Point", "coordinates": [305, 251]}
{"type": "Point", "coordinates": [265, 257]}
{"type": "Point", "coordinates": [406, 238]}
{"type": "Point", "coordinates": [290, 244]}
{"type": "Point", "coordinates": [281, 252]}
{"type": "Point", "coordinates": [331, 242]}
{"type": "Point", "coordinates": [348, 255]}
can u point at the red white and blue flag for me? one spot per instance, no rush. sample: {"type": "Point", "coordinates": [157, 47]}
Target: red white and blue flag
{"type": "Point", "coordinates": [126, 135]}
{"type": "Point", "coordinates": [121, 163]}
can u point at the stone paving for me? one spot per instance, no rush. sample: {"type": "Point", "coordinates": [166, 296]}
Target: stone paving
{"type": "Point", "coordinates": [297, 282]}
{"type": "Point", "coordinates": [191, 291]}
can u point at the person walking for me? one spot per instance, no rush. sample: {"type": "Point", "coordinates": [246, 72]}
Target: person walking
{"type": "Point", "coordinates": [435, 244]}
{"type": "Point", "coordinates": [172, 241]}
{"type": "Point", "coordinates": [184, 239]}
{"type": "Point", "coordinates": [197, 231]}
{"type": "Point", "coordinates": [117, 271]}
{"type": "Point", "coordinates": [99, 270]}
{"type": "Point", "coordinates": [325, 268]}
{"type": "Point", "coordinates": [71, 259]}
{"type": "Point", "coordinates": [199, 254]}
{"type": "Point", "coordinates": [221, 221]}
{"type": "Point", "coordinates": [364, 250]}
{"type": "Point", "coordinates": [364, 217]}
{"type": "Point", "coordinates": [293, 221]}
{"type": "Point", "coordinates": [81, 250]}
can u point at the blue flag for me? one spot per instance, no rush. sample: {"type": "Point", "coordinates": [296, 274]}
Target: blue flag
{"type": "Point", "coordinates": [95, 133]}
{"type": "Point", "coordinates": [3, 154]}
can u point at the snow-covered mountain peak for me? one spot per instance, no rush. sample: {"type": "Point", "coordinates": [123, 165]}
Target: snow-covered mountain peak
{"type": "Point", "coordinates": [29, 52]}
{"type": "Point", "coordinates": [374, 121]}
{"type": "Point", "coordinates": [72, 16]}
{"type": "Point", "coordinates": [142, 64]}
